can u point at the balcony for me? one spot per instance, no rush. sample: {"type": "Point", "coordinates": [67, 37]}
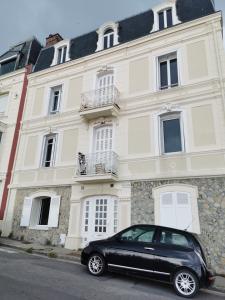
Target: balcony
{"type": "Point", "coordinates": [100, 103]}
{"type": "Point", "coordinates": [97, 167]}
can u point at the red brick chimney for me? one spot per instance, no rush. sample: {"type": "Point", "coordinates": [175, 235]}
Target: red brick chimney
{"type": "Point", "coordinates": [52, 39]}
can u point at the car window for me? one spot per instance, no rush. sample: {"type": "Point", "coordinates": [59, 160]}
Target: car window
{"type": "Point", "coordinates": [173, 238]}
{"type": "Point", "coordinates": [138, 234]}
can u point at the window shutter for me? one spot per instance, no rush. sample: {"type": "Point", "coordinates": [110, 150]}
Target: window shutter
{"type": "Point", "coordinates": [3, 102]}
{"type": "Point", "coordinates": [54, 212]}
{"type": "Point", "coordinates": [25, 218]}
{"type": "Point", "coordinates": [183, 211]}
{"type": "Point", "coordinates": [167, 210]}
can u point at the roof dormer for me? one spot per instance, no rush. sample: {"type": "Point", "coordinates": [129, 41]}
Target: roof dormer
{"type": "Point", "coordinates": [107, 36]}
{"type": "Point", "coordinates": [61, 53]}
{"type": "Point", "coordinates": [165, 15]}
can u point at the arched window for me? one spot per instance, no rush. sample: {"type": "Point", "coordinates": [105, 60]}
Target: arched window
{"type": "Point", "coordinates": [176, 206]}
{"type": "Point", "coordinates": [165, 15]}
{"type": "Point", "coordinates": [107, 36]}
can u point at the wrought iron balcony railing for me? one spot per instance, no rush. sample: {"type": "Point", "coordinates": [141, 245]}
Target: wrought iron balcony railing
{"type": "Point", "coordinates": [100, 163]}
{"type": "Point", "coordinates": [99, 98]}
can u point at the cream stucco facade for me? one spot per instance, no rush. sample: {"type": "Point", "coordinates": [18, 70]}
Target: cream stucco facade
{"type": "Point", "coordinates": [199, 99]}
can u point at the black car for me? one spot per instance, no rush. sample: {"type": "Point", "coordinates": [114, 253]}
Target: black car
{"type": "Point", "coordinates": [162, 253]}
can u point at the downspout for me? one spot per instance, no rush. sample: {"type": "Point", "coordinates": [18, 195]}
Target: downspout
{"type": "Point", "coordinates": [8, 178]}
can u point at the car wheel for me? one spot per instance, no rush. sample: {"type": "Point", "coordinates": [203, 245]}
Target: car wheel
{"type": "Point", "coordinates": [186, 284]}
{"type": "Point", "coordinates": [96, 264]}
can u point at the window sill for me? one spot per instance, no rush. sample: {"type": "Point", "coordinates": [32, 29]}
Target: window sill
{"type": "Point", "coordinates": [39, 227]}
{"type": "Point", "coordinates": [173, 153]}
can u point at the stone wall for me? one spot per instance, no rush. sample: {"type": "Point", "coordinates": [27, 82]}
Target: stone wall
{"type": "Point", "coordinates": [42, 236]}
{"type": "Point", "coordinates": [211, 205]}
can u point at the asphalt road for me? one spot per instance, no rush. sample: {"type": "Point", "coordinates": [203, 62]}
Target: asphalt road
{"type": "Point", "coordinates": [29, 277]}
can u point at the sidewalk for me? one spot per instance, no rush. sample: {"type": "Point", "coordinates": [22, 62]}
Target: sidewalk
{"type": "Point", "coordinates": [50, 251]}
{"type": "Point", "coordinates": [62, 253]}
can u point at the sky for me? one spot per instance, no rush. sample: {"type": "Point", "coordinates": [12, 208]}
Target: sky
{"type": "Point", "coordinates": [22, 19]}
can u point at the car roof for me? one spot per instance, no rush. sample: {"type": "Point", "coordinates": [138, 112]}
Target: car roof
{"type": "Point", "coordinates": [163, 227]}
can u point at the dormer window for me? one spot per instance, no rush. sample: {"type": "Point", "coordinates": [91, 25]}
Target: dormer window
{"type": "Point", "coordinates": [107, 36]}
{"type": "Point", "coordinates": [61, 52]}
{"type": "Point", "coordinates": [165, 15]}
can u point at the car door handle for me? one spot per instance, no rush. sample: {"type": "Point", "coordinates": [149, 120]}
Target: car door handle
{"type": "Point", "coordinates": [147, 248]}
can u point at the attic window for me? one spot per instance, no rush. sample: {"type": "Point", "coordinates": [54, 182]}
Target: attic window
{"type": "Point", "coordinates": [61, 52]}
{"type": "Point", "coordinates": [7, 66]}
{"type": "Point", "coordinates": [165, 15]}
{"type": "Point", "coordinates": [107, 36]}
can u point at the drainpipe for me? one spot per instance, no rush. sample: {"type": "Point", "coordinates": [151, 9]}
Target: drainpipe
{"type": "Point", "coordinates": [28, 70]}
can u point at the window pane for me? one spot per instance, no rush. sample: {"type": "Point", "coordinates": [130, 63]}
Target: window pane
{"type": "Point", "coordinates": [172, 136]}
{"type": "Point", "coordinates": [169, 17]}
{"type": "Point", "coordinates": [59, 56]}
{"type": "Point", "coordinates": [173, 238]}
{"type": "Point", "coordinates": [0, 137]}
{"type": "Point", "coordinates": [161, 20]}
{"type": "Point", "coordinates": [138, 234]}
{"type": "Point", "coordinates": [8, 66]}
{"type": "Point", "coordinates": [111, 40]}
{"type": "Point", "coordinates": [173, 72]}
{"type": "Point", "coordinates": [163, 75]}
{"type": "Point", "coordinates": [105, 42]}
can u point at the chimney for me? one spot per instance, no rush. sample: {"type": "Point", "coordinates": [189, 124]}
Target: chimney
{"type": "Point", "coordinates": [52, 39]}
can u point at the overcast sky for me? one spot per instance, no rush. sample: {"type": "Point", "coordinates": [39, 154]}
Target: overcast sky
{"type": "Point", "coordinates": [21, 19]}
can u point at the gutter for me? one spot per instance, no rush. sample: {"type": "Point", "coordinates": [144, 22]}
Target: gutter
{"type": "Point", "coordinates": [28, 70]}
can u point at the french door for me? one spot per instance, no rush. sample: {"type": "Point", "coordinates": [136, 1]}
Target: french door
{"type": "Point", "coordinates": [105, 90]}
{"type": "Point", "coordinates": [100, 217]}
{"type": "Point", "coordinates": [102, 148]}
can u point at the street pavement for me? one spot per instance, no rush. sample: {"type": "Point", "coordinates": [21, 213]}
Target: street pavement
{"type": "Point", "coordinates": [30, 277]}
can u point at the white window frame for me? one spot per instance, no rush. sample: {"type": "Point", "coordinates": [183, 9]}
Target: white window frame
{"type": "Point", "coordinates": [176, 188]}
{"type": "Point", "coordinates": [54, 149]}
{"type": "Point", "coordinates": [163, 7]}
{"type": "Point", "coordinates": [52, 91]}
{"type": "Point", "coordinates": [171, 116]}
{"type": "Point", "coordinates": [101, 33]}
{"type": "Point", "coordinates": [107, 36]}
{"type": "Point", "coordinates": [62, 44]}
{"type": "Point", "coordinates": [3, 112]}
{"type": "Point", "coordinates": [167, 57]}
{"type": "Point", "coordinates": [33, 216]}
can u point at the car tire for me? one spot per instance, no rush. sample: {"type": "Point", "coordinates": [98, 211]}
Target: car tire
{"type": "Point", "coordinates": [185, 283]}
{"type": "Point", "coordinates": [96, 264]}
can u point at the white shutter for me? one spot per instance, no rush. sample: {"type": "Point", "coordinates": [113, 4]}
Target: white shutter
{"type": "Point", "coordinates": [183, 211]}
{"type": "Point", "coordinates": [167, 210]}
{"type": "Point", "coordinates": [3, 102]}
{"type": "Point", "coordinates": [54, 212]}
{"type": "Point", "coordinates": [25, 218]}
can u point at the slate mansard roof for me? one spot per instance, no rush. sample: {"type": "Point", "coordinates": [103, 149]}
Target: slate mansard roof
{"type": "Point", "coordinates": [129, 29]}
{"type": "Point", "coordinates": [20, 55]}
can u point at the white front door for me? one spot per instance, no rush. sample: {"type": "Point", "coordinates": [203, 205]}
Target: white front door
{"type": "Point", "coordinates": [99, 218]}
{"type": "Point", "coordinates": [104, 89]}
{"type": "Point", "coordinates": [175, 210]}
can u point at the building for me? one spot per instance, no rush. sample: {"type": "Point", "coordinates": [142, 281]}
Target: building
{"type": "Point", "coordinates": [126, 125]}
{"type": "Point", "coordinates": [15, 64]}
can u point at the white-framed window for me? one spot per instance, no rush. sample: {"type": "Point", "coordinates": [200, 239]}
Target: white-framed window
{"type": "Point", "coordinates": [40, 212]}
{"type": "Point", "coordinates": [49, 150]}
{"type": "Point", "coordinates": [171, 133]}
{"type": "Point", "coordinates": [176, 206]}
{"type": "Point", "coordinates": [3, 103]}
{"type": "Point", "coordinates": [165, 15]}
{"type": "Point", "coordinates": [168, 71]}
{"type": "Point", "coordinates": [61, 54]}
{"type": "Point", "coordinates": [107, 36]}
{"type": "Point", "coordinates": [55, 99]}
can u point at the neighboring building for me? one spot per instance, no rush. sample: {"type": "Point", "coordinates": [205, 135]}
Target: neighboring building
{"type": "Point", "coordinates": [13, 73]}
{"type": "Point", "coordinates": [126, 125]}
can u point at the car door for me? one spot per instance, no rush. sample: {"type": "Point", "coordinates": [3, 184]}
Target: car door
{"type": "Point", "coordinates": [133, 249]}
{"type": "Point", "coordinates": [172, 249]}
